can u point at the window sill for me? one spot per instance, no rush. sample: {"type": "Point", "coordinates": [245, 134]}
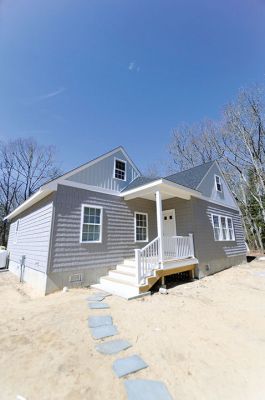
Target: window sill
{"type": "Point", "coordinates": [90, 242]}
{"type": "Point", "coordinates": [119, 179]}
{"type": "Point", "coordinates": [228, 240]}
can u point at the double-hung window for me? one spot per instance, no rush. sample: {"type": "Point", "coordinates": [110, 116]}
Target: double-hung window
{"type": "Point", "coordinates": [91, 224]}
{"type": "Point", "coordinates": [223, 228]}
{"type": "Point", "coordinates": [141, 227]}
{"type": "Point", "coordinates": [218, 183]}
{"type": "Point", "coordinates": [120, 169]}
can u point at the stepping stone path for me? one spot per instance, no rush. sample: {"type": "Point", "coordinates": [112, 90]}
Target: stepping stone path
{"type": "Point", "coordinates": [94, 322]}
{"type": "Point", "coordinates": [102, 327]}
{"type": "Point", "coordinates": [141, 389]}
{"type": "Point", "coordinates": [128, 365]}
{"type": "Point", "coordinates": [96, 298]}
{"type": "Point", "coordinates": [98, 305]}
{"type": "Point", "coordinates": [113, 346]}
{"type": "Point", "coordinates": [102, 332]}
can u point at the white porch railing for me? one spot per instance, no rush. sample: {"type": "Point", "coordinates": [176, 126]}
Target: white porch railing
{"type": "Point", "coordinates": [147, 260]}
{"type": "Point", "coordinates": [174, 248]}
{"type": "Point", "coordinates": [178, 247]}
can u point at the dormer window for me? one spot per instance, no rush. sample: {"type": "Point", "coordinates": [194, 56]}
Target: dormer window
{"type": "Point", "coordinates": [218, 183]}
{"type": "Point", "coordinates": [120, 169]}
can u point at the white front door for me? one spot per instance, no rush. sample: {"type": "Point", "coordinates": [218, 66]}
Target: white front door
{"type": "Point", "coordinates": [169, 223]}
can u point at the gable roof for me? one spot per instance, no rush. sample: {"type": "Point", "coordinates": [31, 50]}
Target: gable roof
{"type": "Point", "coordinates": [94, 161]}
{"type": "Point", "coordinates": [192, 177]}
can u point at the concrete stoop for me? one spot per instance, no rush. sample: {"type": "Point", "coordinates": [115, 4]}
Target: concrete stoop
{"type": "Point", "coordinates": [122, 281]}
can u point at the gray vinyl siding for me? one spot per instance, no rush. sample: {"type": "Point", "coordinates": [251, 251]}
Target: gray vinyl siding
{"type": "Point", "coordinates": [194, 216]}
{"type": "Point", "coordinates": [216, 254]}
{"type": "Point", "coordinates": [68, 253]}
{"type": "Point", "coordinates": [208, 189]}
{"type": "Point", "coordinates": [33, 237]}
{"type": "Point", "coordinates": [101, 173]}
{"type": "Point", "coordinates": [183, 213]}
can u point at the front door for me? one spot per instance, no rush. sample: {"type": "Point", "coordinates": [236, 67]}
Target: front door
{"type": "Point", "coordinates": [169, 223]}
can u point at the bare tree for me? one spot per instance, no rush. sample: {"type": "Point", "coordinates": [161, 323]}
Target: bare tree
{"type": "Point", "coordinates": [191, 145]}
{"type": "Point", "coordinates": [24, 167]}
{"type": "Point", "coordinates": [34, 163]}
{"type": "Point", "coordinates": [238, 142]}
{"type": "Point", "coordinates": [10, 184]}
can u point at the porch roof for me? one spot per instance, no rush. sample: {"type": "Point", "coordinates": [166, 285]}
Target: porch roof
{"type": "Point", "coordinates": [167, 189]}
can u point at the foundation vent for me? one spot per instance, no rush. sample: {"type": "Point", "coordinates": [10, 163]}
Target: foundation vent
{"type": "Point", "coordinates": [76, 278]}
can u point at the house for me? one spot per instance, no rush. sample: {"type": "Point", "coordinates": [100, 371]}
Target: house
{"type": "Point", "coordinates": [104, 223]}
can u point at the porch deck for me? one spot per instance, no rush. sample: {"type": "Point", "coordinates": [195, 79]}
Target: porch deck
{"type": "Point", "coordinates": [138, 275]}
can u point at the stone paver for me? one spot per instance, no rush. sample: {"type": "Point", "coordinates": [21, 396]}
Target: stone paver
{"type": "Point", "coordinates": [141, 389]}
{"type": "Point", "coordinates": [104, 331]}
{"type": "Point", "coordinates": [128, 365]}
{"type": "Point", "coordinates": [96, 297]}
{"type": "Point", "coordinates": [94, 322]}
{"type": "Point", "coordinates": [113, 346]}
{"type": "Point", "coordinates": [98, 305]}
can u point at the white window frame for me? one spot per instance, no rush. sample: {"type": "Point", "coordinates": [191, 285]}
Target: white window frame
{"type": "Point", "coordinates": [147, 227]}
{"type": "Point", "coordinates": [83, 206]}
{"type": "Point", "coordinates": [220, 183]}
{"type": "Point", "coordinates": [222, 239]}
{"type": "Point", "coordinates": [17, 223]}
{"type": "Point", "coordinates": [114, 169]}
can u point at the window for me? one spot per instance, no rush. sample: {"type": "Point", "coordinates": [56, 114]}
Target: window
{"type": "Point", "coordinates": [216, 227]}
{"type": "Point", "coordinates": [231, 232]}
{"type": "Point", "coordinates": [120, 169]}
{"type": "Point", "coordinates": [141, 227]}
{"type": "Point", "coordinates": [223, 228]}
{"type": "Point", "coordinates": [91, 224]}
{"type": "Point", "coordinates": [218, 183]}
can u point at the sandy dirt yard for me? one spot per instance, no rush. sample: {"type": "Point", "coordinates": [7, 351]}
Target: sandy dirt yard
{"type": "Point", "coordinates": [205, 340]}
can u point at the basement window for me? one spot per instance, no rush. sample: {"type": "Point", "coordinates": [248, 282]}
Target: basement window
{"type": "Point", "coordinates": [141, 227]}
{"type": "Point", "coordinates": [120, 169]}
{"type": "Point", "coordinates": [91, 224]}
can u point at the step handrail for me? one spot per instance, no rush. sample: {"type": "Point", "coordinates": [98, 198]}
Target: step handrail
{"type": "Point", "coordinates": [147, 260]}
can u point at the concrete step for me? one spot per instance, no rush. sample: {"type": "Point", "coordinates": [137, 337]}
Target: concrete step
{"type": "Point", "coordinates": [120, 288]}
{"type": "Point", "coordinates": [126, 268]}
{"type": "Point", "coordinates": [129, 277]}
{"type": "Point", "coordinates": [129, 261]}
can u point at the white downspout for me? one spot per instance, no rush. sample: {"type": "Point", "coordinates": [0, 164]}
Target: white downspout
{"type": "Point", "coordinates": [159, 219]}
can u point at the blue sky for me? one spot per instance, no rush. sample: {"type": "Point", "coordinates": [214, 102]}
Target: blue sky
{"type": "Point", "coordinates": [89, 75]}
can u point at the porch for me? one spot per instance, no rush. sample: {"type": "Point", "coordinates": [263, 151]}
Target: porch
{"type": "Point", "coordinates": [167, 254]}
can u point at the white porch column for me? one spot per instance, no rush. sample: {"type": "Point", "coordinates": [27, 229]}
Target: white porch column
{"type": "Point", "coordinates": [159, 220]}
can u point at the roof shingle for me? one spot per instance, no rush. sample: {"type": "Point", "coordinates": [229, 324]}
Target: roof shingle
{"type": "Point", "coordinates": [192, 177]}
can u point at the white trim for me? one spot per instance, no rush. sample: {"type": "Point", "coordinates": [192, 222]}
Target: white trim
{"type": "Point", "coordinates": [219, 203]}
{"type": "Point", "coordinates": [96, 160]}
{"type": "Point", "coordinates": [89, 187]}
{"type": "Point", "coordinates": [83, 206]}
{"type": "Point", "coordinates": [172, 210]}
{"type": "Point", "coordinates": [225, 183]}
{"type": "Point", "coordinates": [125, 171]}
{"type": "Point", "coordinates": [16, 230]}
{"type": "Point", "coordinates": [220, 183]}
{"type": "Point", "coordinates": [160, 226]}
{"type": "Point", "coordinates": [147, 227]}
{"type": "Point", "coordinates": [190, 192]}
{"type": "Point", "coordinates": [35, 198]}
{"type": "Point", "coordinates": [220, 228]}
{"type": "Point", "coordinates": [214, 163]}
{"type": "Point", "coordinates": [160, 181]}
